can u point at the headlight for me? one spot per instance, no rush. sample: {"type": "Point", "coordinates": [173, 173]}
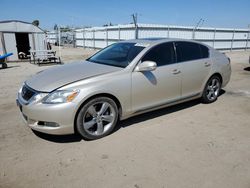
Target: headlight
{"type": "Point", "coordinates": [21, 88]}
{"type": "Point", "coordinates": [38, 97]}
{"type": "Point", "coordinates": [60, 96]}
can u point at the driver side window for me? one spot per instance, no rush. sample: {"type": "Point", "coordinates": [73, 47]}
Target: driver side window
{"type": "Point", "coordinates": [163, 54]}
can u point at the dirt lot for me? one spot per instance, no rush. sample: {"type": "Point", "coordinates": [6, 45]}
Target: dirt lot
{"type": "Point", "coordinates": [191, 145]}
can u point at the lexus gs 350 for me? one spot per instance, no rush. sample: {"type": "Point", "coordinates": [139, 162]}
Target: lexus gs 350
{"type": "Point", "coordinates": [120, 81]}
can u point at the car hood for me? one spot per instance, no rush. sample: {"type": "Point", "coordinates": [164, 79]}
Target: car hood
{"type": "Point", "coordinates": [53, 78]}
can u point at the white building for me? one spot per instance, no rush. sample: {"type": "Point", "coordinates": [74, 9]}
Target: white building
{"type": "Point", "coordinates": [20, 37]}
{"type": "Point", "coordinates": [219, 38]}
{"type": "Point", "coordinates": [52, 37]}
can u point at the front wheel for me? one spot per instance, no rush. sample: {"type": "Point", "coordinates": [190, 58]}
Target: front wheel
{"type": "Point", "coordinates": [212, 90]}
{"type": "Point", "coordinates": [97, 118]}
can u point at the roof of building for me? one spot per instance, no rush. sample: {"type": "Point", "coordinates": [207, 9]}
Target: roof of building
{"type": "Point", "coordinates": [19, 26]}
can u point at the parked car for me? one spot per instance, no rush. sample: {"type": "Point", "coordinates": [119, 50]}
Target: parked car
{"type": "Point", "coordinates": [120, 81]}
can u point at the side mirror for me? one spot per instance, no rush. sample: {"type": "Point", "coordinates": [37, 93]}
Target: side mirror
{"type": "Point", "coordinates": [146, 66]}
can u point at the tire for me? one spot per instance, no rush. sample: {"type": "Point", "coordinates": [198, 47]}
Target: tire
{"type": "Point", "coordinates": [211, 90]}
{"type": "Point", "coordinates": [4, 65]}
{"type": "Point", "coordinates": [97, 118]}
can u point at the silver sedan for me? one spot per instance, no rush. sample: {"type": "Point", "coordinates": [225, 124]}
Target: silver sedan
{"type": "Point", "coordinates": [120, 81]}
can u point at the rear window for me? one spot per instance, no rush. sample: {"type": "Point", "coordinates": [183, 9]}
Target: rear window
{"type": "Point", "coordinates": [204, 51]}
{"type": "Point", "coordinates": [187, 51]}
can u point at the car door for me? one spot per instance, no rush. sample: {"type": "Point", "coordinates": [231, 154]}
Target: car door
{"type": "Point", "coordinates": [194, 65]}
{"type": "Point", "coordinates": [158, 87]}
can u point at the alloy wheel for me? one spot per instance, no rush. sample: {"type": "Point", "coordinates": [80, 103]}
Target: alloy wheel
{"type": "Point", "coordinates": [213, 89]}
{"type": "Point", "coordinates": [99, 118]}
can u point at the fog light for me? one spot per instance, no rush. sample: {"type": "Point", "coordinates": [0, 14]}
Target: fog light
{"type": "Point", "coordinates": [48, 124]}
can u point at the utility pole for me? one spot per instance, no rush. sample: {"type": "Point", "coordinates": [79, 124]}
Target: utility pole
{"type": "Point", "coordinates": [59, 42]}
{"type": "Point", "coordinates": [134, 16]}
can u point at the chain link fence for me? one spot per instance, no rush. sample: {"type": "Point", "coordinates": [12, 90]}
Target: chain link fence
{"type": "Point", "coordinates": [62, 38]}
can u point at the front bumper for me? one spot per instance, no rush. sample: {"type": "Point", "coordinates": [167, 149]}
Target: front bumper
{"type": "Point", "coordinates": [36, 115]}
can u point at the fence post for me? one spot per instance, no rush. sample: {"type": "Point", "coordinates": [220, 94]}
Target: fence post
{"type": "Point", "coordinates": [193, 34]}
{"type": "Point", "coordinates": [168, 31]}
{"type": "Point", "coordinates": [119, 33]}
{"type": "Point", "coordinates": [74, 39]}
{"type": "Point", "coordinates": [94, 39]}
{"type": "Point", "coordinates": [59, 42]}
{"type": "Point", "coordinates": [107, 37]}
{"type": "Point", "coordinates": [83, 37]}
{"type": "Point", "coordinates": [136, 31]}
{"type": "Point", "coordinates": [214, 36]}
{"type": "Point", "coordinates": [247, 39]}
{"type": "Point", "coordinates": [232, 40]}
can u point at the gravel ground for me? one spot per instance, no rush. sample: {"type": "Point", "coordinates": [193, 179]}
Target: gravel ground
{"type": "Point", "coordinates": [191, 145]}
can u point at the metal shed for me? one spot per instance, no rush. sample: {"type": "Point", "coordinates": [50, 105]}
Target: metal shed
{"type": "Point", "coordinates": [19, 38]}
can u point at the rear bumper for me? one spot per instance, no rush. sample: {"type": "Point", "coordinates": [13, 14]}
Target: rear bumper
{"type": "Point", "coordinates": [50, 119]}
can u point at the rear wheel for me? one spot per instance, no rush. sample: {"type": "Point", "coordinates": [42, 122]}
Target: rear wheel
{"type": "Point", "coordinates": [97, 118]}
{"type": "Point", "coordinates": [212, 90]}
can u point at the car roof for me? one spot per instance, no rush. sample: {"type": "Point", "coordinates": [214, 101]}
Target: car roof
{"type": "Point", "coordinates": [153, 41]}
{"type": "Point", "coordinates": [148, 40]}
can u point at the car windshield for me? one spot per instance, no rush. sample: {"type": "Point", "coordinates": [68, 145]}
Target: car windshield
{"type": "Point", "coordinates": [119, 54]}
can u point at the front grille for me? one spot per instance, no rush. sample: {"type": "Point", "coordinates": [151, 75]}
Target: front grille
{"type": "Point", "coordinates": [27, 93]}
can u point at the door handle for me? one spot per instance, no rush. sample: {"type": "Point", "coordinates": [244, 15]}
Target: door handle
{"type": "Point", "coordinates": [176, 71]}
{"type": "Point", "coordinates": [207, 64]}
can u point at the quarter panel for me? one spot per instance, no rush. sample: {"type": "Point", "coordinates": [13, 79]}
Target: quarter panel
{"type": "Point", "coordinates": [222, 66]}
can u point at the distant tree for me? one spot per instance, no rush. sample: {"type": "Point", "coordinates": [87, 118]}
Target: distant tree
{"type": "Point", "coordinates": [36, 23]}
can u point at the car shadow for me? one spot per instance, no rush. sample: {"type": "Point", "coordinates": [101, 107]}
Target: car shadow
{"type": "Point", "coordinates": [44, 64]}
{"type": "Point", "coordinates": [160, 112]}
{"type": "Point", "coordinates": [156, 114]}
{"type": "Point", "coordinates": [222, 91]}
{"type": "Point", "coordinates": [247, 69]}
{"type": "Point", "coordinates": [59, 138]}
{"type": "Point", "coordinates": [9, 67]}
{"type": "Point", "coordinates": [125, 123]}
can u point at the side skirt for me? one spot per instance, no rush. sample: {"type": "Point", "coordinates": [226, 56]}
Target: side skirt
{"type": "Point", "coordinates": [171, 103]}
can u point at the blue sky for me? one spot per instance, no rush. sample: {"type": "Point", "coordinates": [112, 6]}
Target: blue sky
{"type": "Point", "coordinates": [216, 13]}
